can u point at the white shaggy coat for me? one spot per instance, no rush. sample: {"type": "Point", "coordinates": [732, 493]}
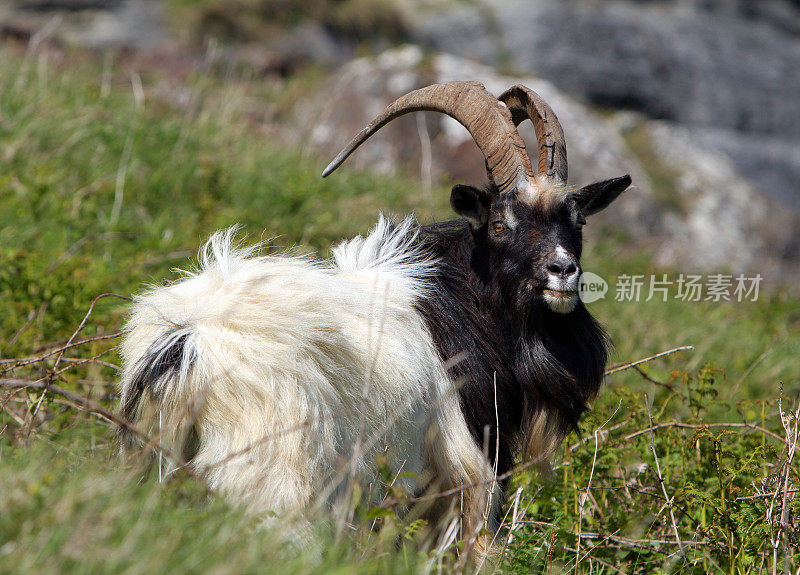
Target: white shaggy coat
{"type": "Point", "coordinates": [296, 373]}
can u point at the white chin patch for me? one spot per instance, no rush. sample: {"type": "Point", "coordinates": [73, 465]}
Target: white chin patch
{"type": "Point", "coordinates": [560, 301]}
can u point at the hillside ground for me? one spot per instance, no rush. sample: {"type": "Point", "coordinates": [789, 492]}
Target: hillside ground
{"type": "Point", "coordinates": [686, 462]}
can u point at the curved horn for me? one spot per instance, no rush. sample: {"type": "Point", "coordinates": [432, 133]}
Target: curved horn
{"type": "Point", "coordinates": [488, 121]}
{"type": "Point", "coordinates": [525, 104]}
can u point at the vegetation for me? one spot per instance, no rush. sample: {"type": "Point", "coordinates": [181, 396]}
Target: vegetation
{"type": "Point", "coordinates": [687, 462]}
{"type": "Point", "coordinates": [258, 20]}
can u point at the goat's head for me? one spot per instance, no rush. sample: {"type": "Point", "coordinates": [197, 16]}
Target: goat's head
{"type": "Point", "coordinates": [528, 222]}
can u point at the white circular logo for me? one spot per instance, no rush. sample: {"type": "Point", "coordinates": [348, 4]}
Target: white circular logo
{"type": "Point", "coordinates": [592, 287]}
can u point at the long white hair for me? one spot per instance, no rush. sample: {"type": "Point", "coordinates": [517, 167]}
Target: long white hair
{"type": "Point", "coordinates": [296, 374]}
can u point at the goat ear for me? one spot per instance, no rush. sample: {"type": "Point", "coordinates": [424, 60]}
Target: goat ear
{"type": "Point", "coordinates": [595, 197]}
{"type": "Point", "coordinates": [471, 203]}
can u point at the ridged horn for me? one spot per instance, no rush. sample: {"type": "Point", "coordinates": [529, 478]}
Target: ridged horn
{"type": "Point", "coordinates": [526, 104]}
{"type": "Point", "coordinates": [488, 121]}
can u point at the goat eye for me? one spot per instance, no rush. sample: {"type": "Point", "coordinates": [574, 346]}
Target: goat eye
{"type": "Point", "coordinates": [498, 227]}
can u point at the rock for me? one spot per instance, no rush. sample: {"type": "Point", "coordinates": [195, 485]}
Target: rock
{"type": "Point", "coordinates": [92, 23]}
{"type": "Point", "coordinates": [714, 219]}
{"type": "Point", "coordinates": [68, 5]}
{"type": "Point", "coordinates": [726, 221]}
{"type": "Point", "coordinates": [729, 66]}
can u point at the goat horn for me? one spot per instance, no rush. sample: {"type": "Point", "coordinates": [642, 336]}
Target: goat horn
{"type": "Point", "coordinates": [526, 104]}
{"type": "Point", "coordinates": [488, 121]}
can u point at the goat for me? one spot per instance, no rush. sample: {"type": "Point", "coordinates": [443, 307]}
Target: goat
{"type": "Point", "coordinates": [449, 347]}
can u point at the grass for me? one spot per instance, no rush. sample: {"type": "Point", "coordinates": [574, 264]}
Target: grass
{"type": "Point", "coordinates": [353, 21]}
{"type": "Point", "coordinates": [662, 177]}
{"type": "Point", "coordinates": [71, 154]}
{"type": "Point", "coordinates": [103, 191]}
{"type": "Point", "coordinates": [75, 511]}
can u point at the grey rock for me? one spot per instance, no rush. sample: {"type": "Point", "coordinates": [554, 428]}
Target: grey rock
{"type": "Point", "coordinates": [730, 66]}
{"type": "Point", "coordinates": [717, 222]}
{"type": "Point", "coordinates": [67, 5]}
{"type": "Point", "coordinates": [772, 163]}
{"type": "Point", "coordinates": [726, 222]}
{"type": "Point", "coordinates": [91, 23]}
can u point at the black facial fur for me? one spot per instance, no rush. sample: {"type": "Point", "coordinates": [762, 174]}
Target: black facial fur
{"type": "Point", "coordinates": [486, 307]}
{"type": "Point", "coordinates": [521, 239]}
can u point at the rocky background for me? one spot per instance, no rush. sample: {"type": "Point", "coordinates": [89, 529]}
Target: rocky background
{"type": "Point", "coordinates": [698, 100]}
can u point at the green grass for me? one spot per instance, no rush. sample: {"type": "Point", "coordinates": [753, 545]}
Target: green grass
{"type": "Point", "coordinates": [66, 509]}
{"type": "Point", "coordinates": [69, 153]}
{"type": "Point", "coordinates": [662, 177]}
{"type": "Point", "coordinates": [101, 193]}
{"type": "Point", "coordinates": [355, 21]}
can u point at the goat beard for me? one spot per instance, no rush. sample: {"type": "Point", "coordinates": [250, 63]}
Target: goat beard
{"type": "Point", "coordinates": [562, 372]}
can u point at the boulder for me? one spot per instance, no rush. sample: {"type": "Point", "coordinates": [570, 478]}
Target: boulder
{"type": "Point", "coordinates": [691, 206]}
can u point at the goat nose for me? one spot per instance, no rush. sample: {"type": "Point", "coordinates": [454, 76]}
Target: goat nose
{"type": "Point", "coordinates": [563, 267]}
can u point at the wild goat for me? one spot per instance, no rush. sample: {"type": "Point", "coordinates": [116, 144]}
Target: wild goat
{"type": "Point", "coordinates": [450, 347]}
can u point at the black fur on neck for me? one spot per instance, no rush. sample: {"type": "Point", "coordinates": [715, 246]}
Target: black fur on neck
{"type": "Point", "coordinates": [538, 359]}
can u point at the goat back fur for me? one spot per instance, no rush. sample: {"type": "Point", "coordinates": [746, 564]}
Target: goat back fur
{"type": "Point", "coordinates": [294, 375]}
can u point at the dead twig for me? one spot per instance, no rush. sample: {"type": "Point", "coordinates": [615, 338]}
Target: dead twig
{"type": "Point", "coordinates": [78, 400]}
{"type": "Point", "coordinates": [88, 406]}
{"type": "Point", "coordinates": [663, 486]}
{"type": "Point", "coordinates": [791, 426]}
{"type": "Point", "coordinates": [14, 338]}
{"type": "Point", "coordinates": [764, 495]}
{"type": "Point", "coordinates": [625, 366]}
{"type": "Point", "coordinates": [23, 362]}
{"type": "Point", "coordinates": [703, 426]}
{"type": "Point", "coordinates": [53, 372]}
{"type": "Point", "coordinates": [93, 359]}
{"type": "Point", "coordinates": [575, 446]}
{"type": "Point", "coordinates": [176, 255]}
{"type": "Point", "coordinates": [585, 496]}
{"type": "Point", "coordinates": [651, 380]}
{"type": "Point", "coordinates": [74, 248]}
